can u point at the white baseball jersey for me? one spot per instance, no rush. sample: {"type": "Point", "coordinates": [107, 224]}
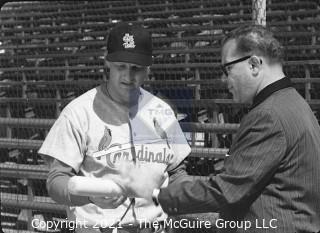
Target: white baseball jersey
{"type": "Point", "coordinates": [93, 133]}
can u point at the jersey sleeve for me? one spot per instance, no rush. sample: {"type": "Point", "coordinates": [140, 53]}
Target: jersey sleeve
{"type": "Point", "coordinates": [64, 142]}
{"type": "Point", "coordinates": [57, 185]}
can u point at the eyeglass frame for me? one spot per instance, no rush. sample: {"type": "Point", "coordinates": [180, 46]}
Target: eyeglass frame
{"type": "Point", "coordinates": [223, 67]}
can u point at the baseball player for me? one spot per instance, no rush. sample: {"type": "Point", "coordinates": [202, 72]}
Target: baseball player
{"type": "Point", "coordinates": [114, 124]}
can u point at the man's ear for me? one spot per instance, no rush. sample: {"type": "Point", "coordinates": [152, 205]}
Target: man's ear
{"type": "Point", "coordinates": [255, 63]}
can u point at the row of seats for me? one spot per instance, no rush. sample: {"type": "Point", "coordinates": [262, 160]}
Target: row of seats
{"type": "Point", "coordinates": [49, 55]}
{"type": "Point", "coordinates": [210, 26]}
{"type": "Point", "coordinates": [83, 19]}
{"type": "Point", "coordinates": [127, 6]}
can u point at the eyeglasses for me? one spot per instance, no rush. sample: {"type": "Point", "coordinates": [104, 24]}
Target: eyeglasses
{"type": "Point", "coordinates": [224, 66]}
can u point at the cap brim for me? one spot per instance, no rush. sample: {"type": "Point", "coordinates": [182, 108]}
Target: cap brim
{"type": "Point", "coordinates": [134, 58]}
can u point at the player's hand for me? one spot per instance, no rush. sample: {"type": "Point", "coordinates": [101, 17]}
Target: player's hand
{"type": "Point", "coordinates": [139, 181]}
{"type": "Point", "coordinates": [108, 202]}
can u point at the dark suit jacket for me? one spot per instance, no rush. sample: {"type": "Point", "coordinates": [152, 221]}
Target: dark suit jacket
{"type": "Point", "coordinates": [272, 176]}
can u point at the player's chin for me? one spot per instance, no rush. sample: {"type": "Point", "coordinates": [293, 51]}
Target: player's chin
{"type": "Point", "coordinates": [130, 93]}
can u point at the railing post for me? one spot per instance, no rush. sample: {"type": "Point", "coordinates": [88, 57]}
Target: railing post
{"type": "Point", "coordinates": [197, 96]}
{"type": "Point", "coordinates": [58, 104]}
{"type": "Point", "coordinates": [307, 84]}
{"type": "Point", "coordinates": [214, 119]}
{"type": "Point", "coordinates": [31, 199]}
{"type": "Point", "coordinates": [8, 115]}
{"type": "Point", "coordinates": [259, 14]}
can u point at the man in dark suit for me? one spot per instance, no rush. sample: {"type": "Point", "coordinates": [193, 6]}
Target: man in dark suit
{"type": "Point", "coordinates": [271, 178]}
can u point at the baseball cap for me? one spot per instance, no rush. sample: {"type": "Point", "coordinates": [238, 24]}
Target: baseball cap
{"type": "Point", "coordinates": [129, 43]}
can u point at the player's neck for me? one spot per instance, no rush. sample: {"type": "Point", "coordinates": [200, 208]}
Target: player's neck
{"type": "Point", "coordinates": [128, 105]}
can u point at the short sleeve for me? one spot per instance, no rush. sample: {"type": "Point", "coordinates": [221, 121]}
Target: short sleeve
{"type": "Point", "coordinates": [64, 142]}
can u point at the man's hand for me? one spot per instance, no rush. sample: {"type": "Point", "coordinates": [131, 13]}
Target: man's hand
{"type": "Point", "coordinates": [139, 181]}
{"type": "Point", "coordinates": [108, 202]}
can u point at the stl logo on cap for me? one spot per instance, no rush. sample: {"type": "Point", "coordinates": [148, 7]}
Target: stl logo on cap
{"type": "Point", "coordinates": [128, 41]}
